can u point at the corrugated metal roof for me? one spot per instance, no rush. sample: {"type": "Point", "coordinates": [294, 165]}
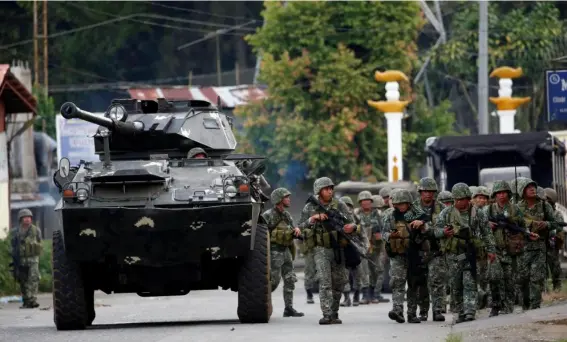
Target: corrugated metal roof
{"type": "Point", "coordinates": [230, 96]}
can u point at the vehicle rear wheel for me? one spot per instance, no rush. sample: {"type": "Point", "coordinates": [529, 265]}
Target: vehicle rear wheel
{"type": "Point", "coordinates": [254, 287]}
{"type": "Point", "coordinates": [69, 305]}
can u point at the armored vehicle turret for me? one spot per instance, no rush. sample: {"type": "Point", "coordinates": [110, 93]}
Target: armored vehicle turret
{"type": "Point", "coordinates": [167, 210]}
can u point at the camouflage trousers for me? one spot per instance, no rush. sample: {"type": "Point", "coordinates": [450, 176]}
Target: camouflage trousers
{"type": "Point", "coordinates": [332, 279]}
{"type": "Point", "coordinates": [376, 273]}
{"type": "Point", "coordinates": [552, 260]}
{"type": "Point", "coordinates": [398, 280]}
{"type": "Point", "coordinates": [464, 289]}
{"type": "Point", "coordinates": [502, 282]}
{"type": "Point", "coordinates": [360, 278]}
{"type": "Point", "coordinates": [29, 282]}
{"type": "Point", "coordinates": [532, 270]}
{"type": "Point", "coordinates": [281, 266]}
{"type": "Point", "coordinates": [437, 282]}
{"type": "Point", "coordinates": [310, 271]}
{"type": "Point", "coordinates": [483, 288]}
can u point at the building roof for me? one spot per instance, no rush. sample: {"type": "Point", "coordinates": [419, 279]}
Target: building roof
{"type": "Point", "coordinates": [16, 98]}
{"type": "Point", "coordinates": [230, 96]}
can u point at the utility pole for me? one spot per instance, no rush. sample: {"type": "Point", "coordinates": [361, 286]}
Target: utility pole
{"type": "Point", "coordinates": [45, 61]}
{"type": "Point", "coordinates": [483, 67]}
{"type": "Point", "coordinates": [35, 46]}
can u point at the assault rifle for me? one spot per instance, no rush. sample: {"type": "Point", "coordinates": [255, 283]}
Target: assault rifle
{"type": "Point", "coordinates": [417, 268]}
{"type": "Point", "coordinates": [353, 251]}
{"type": "Point", "coordinates": [504, 222]}
{"type": "Point", "coordinates": [465, 234]}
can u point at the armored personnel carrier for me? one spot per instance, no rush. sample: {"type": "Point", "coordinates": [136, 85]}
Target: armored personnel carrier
{"type": "Point", "coordinates": [167, 210]}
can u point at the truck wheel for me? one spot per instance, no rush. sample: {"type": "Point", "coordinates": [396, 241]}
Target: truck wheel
{"type": "Point", "coordinates": [69, 305]}
{"type": "Point", "coordinates": [254, 287]}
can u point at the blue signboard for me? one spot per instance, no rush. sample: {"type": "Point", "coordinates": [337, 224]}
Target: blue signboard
{"type": "Point", "coordinates": [556, 94]}
{"type": "Point", "coordinates": [75, 140]}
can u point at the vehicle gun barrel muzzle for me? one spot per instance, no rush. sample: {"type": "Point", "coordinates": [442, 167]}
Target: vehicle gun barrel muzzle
{"type": "Point", "coordinates": [70, 111]}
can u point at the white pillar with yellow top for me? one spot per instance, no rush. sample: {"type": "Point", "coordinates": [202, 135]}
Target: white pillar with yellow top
{"type": "Point", "coordinates": [506, 105]}
{"type": "Point", "coordinates": [393, 110]}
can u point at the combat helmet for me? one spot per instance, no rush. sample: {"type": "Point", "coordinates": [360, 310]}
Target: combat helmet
{"type": "Point", "coordinates": [195, 151]}
{"type": "Point", "coordinates": [460, 191]}
{"type": "Point", "coordinates": [445, 196]}
{"type": "Point", "coordinates": [541, 193]}
{"type": "Point", "coordinates": [480, 191]}
{"type": "Point", "coordinates": [321, 183]}
{"type": "Point", "coordinates": [377, 201]}
{"type": "Point", "coordinates": [523, 184]}
{"type": "Point", "coordinates": [24, 213]}
{"type": "Point", "coordinates": [347, 200]}
{"type": "Point", "coordinates": [551, 195]}
{"type": "Point", "coordinates": [278, 195]}
{"type": "Point", "coordinates": [500, 186]}
{"type": "Point", "coordinates": [427, 184]}
{"type": "Point", "coordinates": [473, 189]}
{"type": "Point", "coordinates": [385, 192]}
{"type": "Point", "coordinates": [364, 195]}
{"type": "Point", "coordinates": [401, 196]}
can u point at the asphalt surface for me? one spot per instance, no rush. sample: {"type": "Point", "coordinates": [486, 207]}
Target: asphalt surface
{"type": "Point", "coordinates": [211, 316]}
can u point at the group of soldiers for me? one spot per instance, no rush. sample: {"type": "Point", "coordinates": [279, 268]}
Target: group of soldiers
{"type": "Point", "coordinates": [486, 247]}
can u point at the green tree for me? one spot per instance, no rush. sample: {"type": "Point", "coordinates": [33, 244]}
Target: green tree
{"type": "Point", "coordinates": [45, 111]}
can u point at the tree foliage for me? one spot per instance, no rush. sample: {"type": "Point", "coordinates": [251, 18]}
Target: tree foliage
{"type": "Point", "coordinates": [45, 111]}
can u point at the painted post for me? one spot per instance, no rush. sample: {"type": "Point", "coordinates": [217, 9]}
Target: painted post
{"type": "Point", "coordinates": [506, 105]}
{"type": "Point", "coordinates": [393, 110]}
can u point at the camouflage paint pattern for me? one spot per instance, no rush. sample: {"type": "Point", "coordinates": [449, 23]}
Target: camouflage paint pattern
{"type": "Point", "coordinates": [332, 279]}
{"type": "Point", "coordinates": [282, 267]}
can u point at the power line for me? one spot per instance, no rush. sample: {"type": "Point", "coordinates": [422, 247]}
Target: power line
{"type": "Point", "coordinates": [202, 12]}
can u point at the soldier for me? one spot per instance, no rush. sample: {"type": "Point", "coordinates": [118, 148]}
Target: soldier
{"type": "Point", "coordinates": [403, 231]}
{"type": "Point", "coordinates": [385, 193]}
{"type": "Point", "coordinates": [196, 153]}
{"type": "Point", "coordinates": [445, 198]}
{"type": "Point", "coordinates": [26, 248]}
{"type": "Point", "coordinates": [458, 226]}
{"type": "Point", "coordinates": [378, 204]}
{"type": "Point", "coordinates": [473, 189]}
{"type": "Point", "coordinates": [436, 275]}
{"type": "Point", "coordinates": [359, 277]}
{"type": "Point", "coordinates": [540, 219]}
{"type": "Point", "coordinates": [282, 232]}
{"type": "Point", "coordinates": [480, 197]}
{"type": "Point", "coordinates": [331, 269]}
{"type": "Point", "coordinates": [509, 246]}
{"type": "Point", "coordinates": [555, 243]}
{"type": "Point", "coordinates": [310, 272]}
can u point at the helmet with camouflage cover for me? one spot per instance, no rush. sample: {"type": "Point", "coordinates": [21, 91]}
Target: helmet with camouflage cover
{"type": "Point", "coordinates": [515, 184]}
{"type": "Point", "coordinates": [523, 184]}
{"type": "Point", "coordinates": [401, 196]}
{"type": "Point", "coordinates": [473, 189]}
{"type": "Point", "coordinates": [500, 186]}
{"type": "Point", "coordinates": [364, 195]}
{"type": "Point", "coordinates": [480, 191]}
{"type": "Point", "coordinates": [377, 201]}
{"type": "Point", "coordinates": [445, 196]}
{"type": "Point", "coordinates": [278, 195]}
{"type": "Point", "coordinates": [321, 183]}
{"type": "Point", "coordinates": [551, 195]}
{"type": "Point", "coordinates": [195, 151]}
{"type": "Point", "coordinates": [427, 184]}
{"type": "Point", "coordinates": [347, 200]}
{"type": "Point", "coordinates": [24, 213]}
{"type": "Point", "coordinates": [541, 193]}
{"type": "Point", "coordinates": [385, 192]}
{"type": "Point", "coordinates": [460, 191]}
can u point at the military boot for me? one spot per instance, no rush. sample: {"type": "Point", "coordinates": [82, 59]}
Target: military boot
{"type": "Point", "coordinates": [365, 300]}
{"type": "Point", "coordinates": [291, 312]}
{"type": "Point", "coordinates": [438, 317]}
{"type": "Point", "coordinates": [460, 319]}
{"type": "Point", "coordinates": [346, 301]}
{"type": "Point", "coordinates": [310, 297]}
{"type": "Point", "coordinates": [335, 319]}
{"type": "Point", "coordinates": [494, 311]}
{"type": "Point", "coordinates": [469, 317]}
{"type": "Point", "coordinates": [381, 299]}
{"type": "Point", "coordinates": [444, 309]}
{"type": "Point", "coordinates": [412, 318]}
{"type": "Point", "coordinates": [356, 298]}
{"type": "Point", "coordinates": [423, 316]}
{"type": "Point", "coordinates": [373, 298]}
{"type": "Point", "coordinates": [326, 320]}
{"type": "Point", "coordinates": [396, 315]}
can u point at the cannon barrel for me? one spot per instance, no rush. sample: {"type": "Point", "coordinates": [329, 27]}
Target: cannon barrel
{"type": "Point", "coordinates": [70, 111]}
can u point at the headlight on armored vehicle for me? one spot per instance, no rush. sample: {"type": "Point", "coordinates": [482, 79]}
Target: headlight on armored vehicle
{"type": "Point", "coordinates": [82, 195]}
{"type": "Point", "coordinates": [230, 191]}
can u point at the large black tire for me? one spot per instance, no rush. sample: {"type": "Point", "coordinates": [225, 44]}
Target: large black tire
{"type": "Point", "coordinates": [69, 305]}
{"type": "Point", "coordinates": [254, 287]}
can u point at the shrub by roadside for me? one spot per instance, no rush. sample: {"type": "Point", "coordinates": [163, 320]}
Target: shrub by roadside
{"type": "Point", "coordinates": [8, 286]}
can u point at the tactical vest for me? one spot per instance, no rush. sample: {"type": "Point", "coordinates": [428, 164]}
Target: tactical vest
{"type": "Point", "coordinates": [29, 247]}
{"type": "Point", "coordinates": [531, 218]}
{"type": "Point", "coordinates": [513, 243]}
{"type": "Point", "coordinates": [455, 245]}
{"type": "Point", "coordinates": [318, 235]}
{"type": "Point", "coordinates": [282, 234]}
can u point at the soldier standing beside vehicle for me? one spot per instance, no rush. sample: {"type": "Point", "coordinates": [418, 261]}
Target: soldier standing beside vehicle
{"type": "Point", "coordinates": [480, 198]}
{"type": "Point", "coordinates": [329, 262]}
{"type": "Point", "coordinates": [282, 231]}
{"type": "Point", "coordinates": [465, 235]}
{"type": "Point", "coordinates": [359, 277]}
{"type": "Point", "coordinates": [540, 219]}
{"type": "Point", "coordinates": [555, 243]}
{"type": "Point", "coordinates": [26, 248]}
{"type": "Point", "coordinates": [401, 224]}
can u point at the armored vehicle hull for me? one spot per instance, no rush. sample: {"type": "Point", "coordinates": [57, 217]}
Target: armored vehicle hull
{"type": "Point", "coordinates": [158, 227]}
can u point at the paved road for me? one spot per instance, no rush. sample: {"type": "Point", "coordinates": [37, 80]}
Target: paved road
{"type": "Point", "coordinates": [211, 316]}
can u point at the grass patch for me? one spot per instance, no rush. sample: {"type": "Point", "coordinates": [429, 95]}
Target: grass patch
{"type": "Point", "coordinates": [454, 338]}
{"type": "Point", "coordinates": [554, 297]}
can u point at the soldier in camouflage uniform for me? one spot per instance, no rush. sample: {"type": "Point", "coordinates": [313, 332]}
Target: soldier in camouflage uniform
{"type": "Point", "coordinates": [282, 232]}
{"type": "Point", "coordinates": [396, 227]}
{"type": "Point", "coordinates": [26, 248]}
{"type": "Point", "coordinates": [555, 243]}
{"type": "Point", "coordinates": [310, 273]}
{"type": "Point", "coordinates": [473, 189]}
{"type": "Point", "coordinates": [385, 193]}
{"type": "Point", "coordinates": [452, 223]}
{"type": "Point", "coordinates": [331, 271]}
{"type": "Point", "coordinates": [480, 197]}
{"type": "Point", "coordinates": [540, 219]}
{"type": "Point", "coordinates": [378, 204]}
{"type": "Point", "coordinates": [445, 198]}
{"type": "Point", "coordinates": [360, 279]}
